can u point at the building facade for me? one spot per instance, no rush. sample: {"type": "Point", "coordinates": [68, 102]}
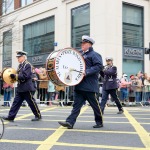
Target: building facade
{"type": "Point", "coordinates": [120, 28]}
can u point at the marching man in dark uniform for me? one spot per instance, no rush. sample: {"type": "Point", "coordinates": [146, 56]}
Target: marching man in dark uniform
{"type": "Point", "coordinates": [110, 85]}
{"type": "Point", "coordinates": [24, 88]}
{"type": "Point", "coordinates": [87, 89]}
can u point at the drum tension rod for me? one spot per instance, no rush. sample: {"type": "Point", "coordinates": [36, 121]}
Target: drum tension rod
{"type": "Point", "coordinates": [76, 70]}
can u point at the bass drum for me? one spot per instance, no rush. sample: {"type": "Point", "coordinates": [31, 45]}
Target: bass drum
{"type": "Point", "coordinates": [65, 67]}
{"type": "Point", "coordinates": [6, 75]}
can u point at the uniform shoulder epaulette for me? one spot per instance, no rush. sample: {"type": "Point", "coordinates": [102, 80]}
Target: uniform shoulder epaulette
{"type": "Point", "coordinates": [27, 63]}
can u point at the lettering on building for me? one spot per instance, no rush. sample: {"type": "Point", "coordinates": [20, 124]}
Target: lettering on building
{"type": "Point", "coordinates": [7, 63]}
{"type": "Point", "coordinates": [133, 52]}
{"type": "Point", "coordinates": [37, 59]}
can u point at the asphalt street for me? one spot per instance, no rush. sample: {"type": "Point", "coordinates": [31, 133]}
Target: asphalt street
{"type": "Point", "coordinates": [130, 130]}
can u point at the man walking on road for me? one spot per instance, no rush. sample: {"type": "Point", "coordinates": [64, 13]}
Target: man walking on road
{"type": "Point", "coordinates": [110, 85]}
{"type": "Point", "coordinates": [24, 88]}
{"type": "Point", "coordinates": [88, 88]}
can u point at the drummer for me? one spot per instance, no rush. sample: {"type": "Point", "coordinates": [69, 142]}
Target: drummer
{"type": "Point", "coordinates": [24, 88]}
{"type": "Point", "coordinates": [87, 89]}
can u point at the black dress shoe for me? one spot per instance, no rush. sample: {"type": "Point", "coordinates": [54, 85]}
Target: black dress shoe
{"type": "Point", "coordinates": [66, 124]}
{"type": "Point", "coordinates": [120, 112]}
{"type": "Point", "coordinates": [36, 119]}
{"type": "Point", "coordinates": [8, 119]}
{"type": "Point", "coordinates": [98, 126]}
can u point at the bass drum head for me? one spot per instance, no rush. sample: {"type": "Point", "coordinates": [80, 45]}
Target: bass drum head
{"type": "Point", "coordinates": [69, 66]}
{"type": "Point", "coordinates": [6, 75]}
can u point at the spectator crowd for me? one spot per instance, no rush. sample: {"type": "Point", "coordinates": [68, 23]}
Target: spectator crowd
{"type": "Point", "coordinates": [135, 88]}
{"type": "Point", "coordinates": [45, 90]}
{"type": "Point", "coordinates": [132, 89]}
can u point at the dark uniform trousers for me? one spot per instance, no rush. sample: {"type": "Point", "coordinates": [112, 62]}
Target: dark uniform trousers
{"type": "Point", "coordinates": [113, 93]}
{"type": "Point", "coordinates": [79, 99]}
{"type": "Point", "coordinates": [19, 98]}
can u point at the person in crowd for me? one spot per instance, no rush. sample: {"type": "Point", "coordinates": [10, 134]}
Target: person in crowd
{"type": "Point", "coordinates": [38, 71]}
{"type": "Point", "coordinates": [50, 92]}
{"type": "Point", "coordinates": [61, 94]}
{"type": "Point", "coordinates": [1, 84]}
{"type": "Point", "coordinates": [43, 85]}
{"type": "Point", "coordinates": [138, 93]}
{"type": "Point", "coordinates": [34, 80]}
{"type": "Point", "coordinates": [146, 88]}
{"type": "Point", "coordinates": [24, 88]}
{"type": "Point", "coordinates": [110, 85]}
{"type": "Point", "coordinates": [88, 88]}
{"type": "Point", "coordinates": [124, 88]}
{"type": "Point", "coordinates": [132, 89]}
{"type": "Point", "coordinates": [7, 93]}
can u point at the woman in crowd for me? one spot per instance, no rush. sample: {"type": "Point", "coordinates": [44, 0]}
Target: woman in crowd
{"type": "Point", "coordinates": [132, 88]}
{"type": "Point", "coordinates": [1, 84]}
{"type": "Point", "coordinates": [50, 92]}
{"type": "Point", "coordinates": [34, 80]}
{"type": "Point", "coordinates": [7, 93]}
{"type": "Point", "coordinates": [138, 93]}
{"type": "Point", "coordinates": [146, 95]}
{"type": "Point", "coordinates": [43, 85]}
{"type": "Point", "coordinates": [124, 88]}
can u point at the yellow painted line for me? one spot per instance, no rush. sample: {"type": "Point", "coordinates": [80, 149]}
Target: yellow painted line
{"type": "Point", "coordinates": [92, 116]}
{"type": "Point", "coordinates": [20, 141]}
{"type": "Point", "coordinates": [142, 118]}
{"type": "Point", "coordinates": [69, 144]}
{"type": "Point", "coordinates": [27, 115]}
{"type": "Point", "coordinates": [7, 112]}
{"type": "Point", "coordinates": [141, 114]}
{"type": "Point", "coordinates": [3, 109]}
{"type": "Point", "coordinates": [31, 114]}
{"type": "Point", "coordinates": [104, 117]}
{"type": "Point", "coordinates": [82, 121]}
{"type": "Point", "coordinates": [26, 128]}
{"type": "Point", "coordinates": [143, 134]}
{"type": "Point", "coordinates": [51, 140]}
{"type": "Point", "coordinates": [142, 110]}
{"type": "Point", "coordinates": [103, 131]}
{"type": "Point", "coordinates": [144, 123]}
{"type": "Point", "coordinates": [72, 130]}
{"type": "Point", "coordinates": [98, 146]}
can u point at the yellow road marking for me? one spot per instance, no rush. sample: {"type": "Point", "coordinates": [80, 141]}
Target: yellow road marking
{"type": "Point", "coordinates": [70, 144]}
{"type": "Point", "coordinates": [82, 121]}
{"type": "Point", "coordinates": [143, 134]}
{"type": "Point", "coordinates": [91, 116]}
{"type": "Point", "coordinates": [20, 141]}
{"type": "Point", "coordinates": [51, 140]}
{"type": "Point", "coordinates": [27, 115]}
{"type": "Point", "coordinates": [144, 123]}
{"type": "Point", "coordinates": [138, 110]}
{"type": "Point", "coordinates": [4, 109]}
{"type": "Point", "coordinates": [142, 118]}
{"type": "Point", "coordinates": [140, 114]}
{"type": "Point", "coordinates": [72, 130]}
{"type": "Point", "coordinates": [99, 146]}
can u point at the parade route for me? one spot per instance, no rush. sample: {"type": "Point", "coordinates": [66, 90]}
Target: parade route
{"type": "Point", "coordinates": [130, 130]}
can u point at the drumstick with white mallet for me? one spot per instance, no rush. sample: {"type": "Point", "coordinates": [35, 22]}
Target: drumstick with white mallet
{"type": "Point", "coordinates": [71, 69]}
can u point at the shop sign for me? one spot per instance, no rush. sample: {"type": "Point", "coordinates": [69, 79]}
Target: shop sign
{"type": "Point", "coordinates": [7, 63]}
{"type": "Point", "coordinates": [133, 53]}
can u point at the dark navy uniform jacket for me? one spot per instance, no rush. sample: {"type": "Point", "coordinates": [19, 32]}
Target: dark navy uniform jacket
{"type": "Point", "coordinates": [94, 65]}
{"type": "Point", "coordinates": [110, 78]}
{"type": "Point", "coordinates": [25, 77]}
